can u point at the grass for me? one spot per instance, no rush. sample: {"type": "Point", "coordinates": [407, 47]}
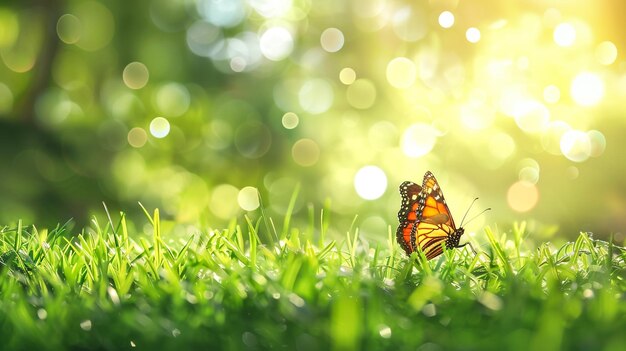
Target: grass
{"type": "Point", "coordinates": [254, 287]}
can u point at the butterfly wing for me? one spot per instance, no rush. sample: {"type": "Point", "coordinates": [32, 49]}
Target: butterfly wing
{"type": "Point", "coordinates": [434, 225]}
{"type": "Point", "coordinates": [405, 234]}
{"type": "Point", "coordinates": [430, 237]}
{"type": "Point", "coordinates": [432, 203]}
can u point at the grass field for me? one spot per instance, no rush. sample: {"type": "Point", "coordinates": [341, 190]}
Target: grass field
{"type": "Point", "coordinates": [295, 290]}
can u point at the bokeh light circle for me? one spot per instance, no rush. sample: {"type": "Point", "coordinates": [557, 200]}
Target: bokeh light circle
{"type": "Point", "coordinates": [370, 182]}
{"type": "Point", "coordinates": [159, 127]}
{"type": "Point", "coordinates": [290, 120]}
{"type": "Point", "coordinates": [305, 152]}
{"type": "Point", "coordinates": [576, 145]}
{"type": "Point", "coordinates": [564, 34]}
{"type": "Point", "coordinates": [418, 140]}
{"type": "Point", "coordinates": [606, 53]}
{"type": "Point", "coordinates": [222, 13]}
{"type": "Point", "coordinates": [472, 35]}
{"type": "Point", "coordinates": [332, 40]}
{"type": "Point", "coordinates": [401, 72]}
{"type": "Point", "coordinates": [532, 116]}
{"type": "Point", "coordinates": [551, 94]}
{"type": "Point", "coordinates": [6, 99]}
{"type": "Point", "coordinates": [551, 137]}
{"type": "Point", "coordinates": [137, 137]}
{"type": "Point", "coordinates": [409, 24]}
{"type": "Point", "coordinates": [172, 99]}
{"type": "Point", "coordinates": [587, 89]}
{"type": "Point", "coordinates": [223, 202]}
{"type": "Point", "coordinates": [572, 172]}
{"type": "Point", "coordinates": [248, 198]}
{"type": "Point", "coordinates": [316, 96]}
{"type": "Point", "coordinates": [598, 142]}
{"type": "Point", "coordinates": [501, 146]}
{"type": "Point", "coordinates": [9, 27]}
{"type": "Point", "coordinates": [68, 28]}
{"type": "Point", "coordinates": [446, 19]}
{"type": "Point", "coordinates": [276, 43]}
{"type": "Point", "coordinates": [97, 25]}
{"type": "Point", "coordinates": [477, 115]}
{"type": "Point", "coordinates": [271, 8]}
{"type": "Point", "coordinates": [135, 75]}
{"type": "Point", "coordinates": [528, 170]}
{"type": "Point", "coordinates": [347, 76]}
{"type": "Point", "coordinates": [522, 196]}
{"type": "Point", "coordinates": [253, 139]}
{"type": "Point", "coordinates": [361, 94]}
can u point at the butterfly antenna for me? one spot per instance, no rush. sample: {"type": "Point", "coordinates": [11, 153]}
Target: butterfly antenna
{"type": "Point", "coordinates": [473, 218]}
{"type": "Point", "coordinates": [466, 212]}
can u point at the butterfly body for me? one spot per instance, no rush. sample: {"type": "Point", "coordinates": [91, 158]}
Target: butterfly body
{"type": "Point", "coordinates": [425, 219]}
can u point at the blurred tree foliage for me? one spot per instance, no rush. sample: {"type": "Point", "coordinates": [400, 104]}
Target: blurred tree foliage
{"type": "Point", "coordinates": [195, 105]}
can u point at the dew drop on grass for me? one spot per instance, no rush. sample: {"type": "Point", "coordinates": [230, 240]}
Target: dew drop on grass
{"type": "Point", "coordinates": [42, 314]}
{"type": "Point", "coordinates": [85, 325]}
{"type": "Point", "coordinates": [429, 310]}
{"type": "Point", "coordinates": [296, 300]}
{"type": "Point", "coordinates": [491, 301]}
{"type": "Point", "coordinates": [384, 331]}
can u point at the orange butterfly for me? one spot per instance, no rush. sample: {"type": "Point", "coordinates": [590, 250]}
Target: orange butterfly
{"type": "Point", "coordinates": [425, 219]}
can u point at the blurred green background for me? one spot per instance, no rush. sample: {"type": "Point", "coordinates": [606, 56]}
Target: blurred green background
{"type": "Point", "coordinates": [194, 106]}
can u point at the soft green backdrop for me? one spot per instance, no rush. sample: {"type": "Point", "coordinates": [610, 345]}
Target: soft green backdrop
{"type": "Point", "coordinates": [193, 106]}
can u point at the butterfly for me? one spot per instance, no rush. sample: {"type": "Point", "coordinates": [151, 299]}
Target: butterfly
{"type": "Point", "coordinates": [425, 219]}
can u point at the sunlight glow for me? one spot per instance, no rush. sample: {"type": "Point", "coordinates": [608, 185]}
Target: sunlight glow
{"type": "Point", "coordinates": [370, 182]}
{"type": "Point", "coordinates": [587, 89]}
